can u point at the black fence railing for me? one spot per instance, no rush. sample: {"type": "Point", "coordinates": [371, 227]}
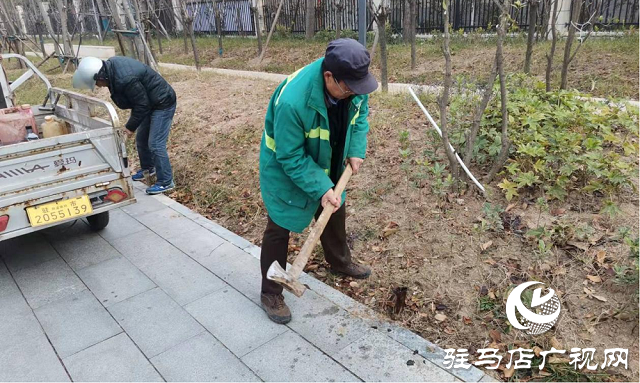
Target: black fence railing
{"type": "Point", "coordinates": [293, 13]}
{"type": "Point", "coordinates": [609, 14]}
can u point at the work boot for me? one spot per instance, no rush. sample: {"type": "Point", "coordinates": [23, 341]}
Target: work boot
{"type": "Point", "coordinates": [354, 270]}
{"type": "Point", "coordinates": [276, 309]}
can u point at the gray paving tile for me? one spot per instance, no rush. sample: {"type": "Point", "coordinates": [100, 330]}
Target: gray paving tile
{"type": "Point", "coordinates": [167, 222]}
{"type": "Point", "coordinates": [47, 282]}
{"type": "Point", "coordinates": [290, 358]}
{"type": "Point", "coordinates": [115, 280]}
{"type": "Point", "coordinates": [17, 321]}
{"type": "Point", "coordinates": [198, 243]}
{"type": "Point", "coordinates": [116, 359]}
{"type": "Point", "coordinates": [202, 359]}
{"type": "Point", "coordinates": [26, 251]}
{"type": "Point", "coordinates": [76, 322]}
{"type": "Point", "coordinates": [145, 248]}
{"type": "Point", "coordinates": [223, 233]}
{"type": "Point", "coordinates": [376, 357]}
{"type": "Point", "coordinates": [177, 274]}
{"type": "Point", "coordinates": [322, 323]}
{"type": "Point", "coordinates": [237, 268]}
{"type": "Point", "coordinates": [7, 285]}
{"type": "Point", "coordinates": [31, 360]}
{"type": "Point", "coordinates": [84, 250]}
{"type": "Point", "coordinates": [346, 302]}
{"type": "Point", "coordinates": [155, 322]}
{"type": "Point", "coordinates": [144, 205]}
{"type": "Point", "coordinates": [487, 378]}
{"type": "Point", "coordinates": [234, 320]}
{"type": "Point", "coordinates": [120, 225]}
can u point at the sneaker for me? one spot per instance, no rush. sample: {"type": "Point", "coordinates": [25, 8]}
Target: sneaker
{"type": "Point", "coordinates": [353, 270]}
{"type": "Point", "coordinates": [158, 189]}
{"type": "Point", "coordinates": [276, 309]}
{"type": "Point", "coordinates": [139, 176]}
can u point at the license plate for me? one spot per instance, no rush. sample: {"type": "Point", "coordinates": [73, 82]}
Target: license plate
{"type": "Point", "coordinates": [53, 212]}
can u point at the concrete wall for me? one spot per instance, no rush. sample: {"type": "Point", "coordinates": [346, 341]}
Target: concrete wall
{"type": "Point", "coordinates": [101, 52]}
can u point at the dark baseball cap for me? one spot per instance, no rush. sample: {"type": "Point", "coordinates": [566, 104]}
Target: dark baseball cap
{"type": "Point", "coordinates": [349, 61]}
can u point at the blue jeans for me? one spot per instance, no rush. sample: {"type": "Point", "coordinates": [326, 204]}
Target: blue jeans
{"type": "Point", "coordinates": [151, 140]}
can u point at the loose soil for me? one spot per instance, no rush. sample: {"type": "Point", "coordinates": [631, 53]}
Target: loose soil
{"type": "Point", "coordinates": [457, 275]}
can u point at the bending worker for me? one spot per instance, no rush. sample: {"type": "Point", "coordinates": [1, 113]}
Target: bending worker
{"type": "Point", "coordinates": [316, 122]}
{"type": "Point", "coordinates": [134, 85]}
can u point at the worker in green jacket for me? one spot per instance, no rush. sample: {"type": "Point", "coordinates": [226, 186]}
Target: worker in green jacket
{"type": "Point", "coordinates": [315, 123]}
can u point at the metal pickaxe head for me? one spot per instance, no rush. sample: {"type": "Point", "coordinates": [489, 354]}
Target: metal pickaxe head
{"type": "Point", "coordinates": [277, 274]}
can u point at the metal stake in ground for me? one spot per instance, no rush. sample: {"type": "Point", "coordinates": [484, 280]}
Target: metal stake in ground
{"type": "Point", "coordinates": [289, 280]}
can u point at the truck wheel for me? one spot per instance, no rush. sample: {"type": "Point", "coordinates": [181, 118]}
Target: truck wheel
{"type": "Point", "coordinates": [98, 221]}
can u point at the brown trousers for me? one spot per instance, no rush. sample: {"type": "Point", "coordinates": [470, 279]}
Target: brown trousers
{"type": "Point", "coordinates": [275, 244]}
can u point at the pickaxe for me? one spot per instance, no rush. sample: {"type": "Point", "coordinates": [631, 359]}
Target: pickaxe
{"type": "Point", "coordinates": [289, 280]}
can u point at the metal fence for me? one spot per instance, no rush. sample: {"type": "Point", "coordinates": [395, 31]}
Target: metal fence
{"type": "Point", "coordinates": [236, 17]}
{"type": "Point", "coordinates": [610, 14]}
{"type": "Point", "coordinates": [293, 13]}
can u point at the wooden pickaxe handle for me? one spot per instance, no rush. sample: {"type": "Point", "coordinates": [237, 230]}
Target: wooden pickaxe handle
{"type": "Point", "coordinates": [303, 257]}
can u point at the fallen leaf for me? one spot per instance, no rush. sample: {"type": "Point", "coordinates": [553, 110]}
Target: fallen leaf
{"type": "Point", "coordinates": [460, 201]}
{"type": "Point", "coordinates": [509, 372]}
{"type": "Point", "coordinates": [600, 298]}
{"type": "Point", "coordinates": [537, 350]}
{"type": "Point", "coordinates": [388, 232]}
{"type": "Point", "coordinates": [449, 330]}
{"type": "Point", "coordinates": [555, 344]}
{"type": "Point", "coordinates": [311, 267]}
{"type": "Point", "coordinates": [600, 256]}
{"type": "Point", "coordinates": [486, 245]}
{"type": "Point", "coordinates": [377, 249]}
{"type": "Point", "coordinates": [594, 278]}
{"type": "Point", "coordinates": [588, 291]}
{"type": "Point", "coordinates": [410, 362]}
{"type": "Point", "coordinates": [440, 317]}
{"type": "Point", "coordinates": [557, 212]}
{"type": "Point", "coordinates": [490, 261]}
{"type": "Point", "coordinates": [484, 291]}
{"type": "Point", "coordinates": [441, 307]}
{"type": "Point", "coordinates": [558, 360]}
{"type": "Point", "coordinates": [353, 284]}
{"type": "Point", "coordinates": [467, 320]}
{"type": "Point", "coordinates": [492, 295]}
{"type": "Point", "coordinates": [495, 335]}
{"type": "Point", "coordinates": [544, 373]}
{"type": "Point", "coordinates": [509, 207]}
{"type": "Point", "coordinates": [559, 271]}
{"type": "Point", "coordinates": [545, 267]}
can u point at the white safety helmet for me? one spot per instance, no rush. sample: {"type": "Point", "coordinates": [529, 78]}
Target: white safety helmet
{"type": "Point", "coordinates": [85, 75]}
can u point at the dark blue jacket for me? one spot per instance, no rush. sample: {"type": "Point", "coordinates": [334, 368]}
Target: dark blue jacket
{"type": "Point", "coordinates": [134, 85]}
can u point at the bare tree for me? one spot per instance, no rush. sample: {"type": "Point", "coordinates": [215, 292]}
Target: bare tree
{"type": "Point", "coordinates": [533, 20]}
{"type": "Point", "coordinates": [218, 18]}
{"type": "Point", "coordinates": [380, 18]}
{"type": "Point", "coordinates": [273, 27]}
{"type": "Point", "coordinates": [554, 42]}
{"type": "Point", "coordinates": [573, 28]}
{"type": "Point", "coordinates": [413, 4]}
{"type": "Point", "coordinates": [472, 134]}
{"type": "Point", "coordinates": [504, 138]}
{"type": "Point", "coordinates": [256, 18]}
{"type": "Point", "coordinates": [188, 28]}
{"type": "Point", "coordinates": [339, 8]}
{"type": "Point", "coordinates": [443, 100]}
{"type": "Point", "coordinates": [310, 19]}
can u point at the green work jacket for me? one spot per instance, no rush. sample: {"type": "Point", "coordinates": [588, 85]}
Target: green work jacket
{"type": "Point", "coordinates": [295, 153]}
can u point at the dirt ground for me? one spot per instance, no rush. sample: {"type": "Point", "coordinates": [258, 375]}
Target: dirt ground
{"type": "Point", "coordinates": [413, 238]}
{"type": "Point", "coordinates": [457, 275]}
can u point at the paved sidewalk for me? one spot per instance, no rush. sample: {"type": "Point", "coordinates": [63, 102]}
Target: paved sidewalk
{"type": "Point", "coordinates": [165, 294]}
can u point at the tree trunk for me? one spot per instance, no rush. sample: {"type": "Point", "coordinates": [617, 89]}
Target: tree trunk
{"type": "Point", "coordinates": [115, 15]}
{"type": "Point", "coordinates": [196, 56]}
{"type": "Point", "coordinates": [577, 6]}
{"type": "Point", "coordinates": [444, 99]}
{"type": "Point", "coordinates": [412, 32]}
{"type": "Point", "coordinates": [406, 22]}
{"type": "Point", "coordinates": [338, 7]}
{"type": "Point", "coordinates": [295, 17]}
{"type": "Point", "coordinates": [506, 144]}
{"type": "Point", "coordinates": [310, 19]}
{"type": "Point", "coordinates": [273, 28]}
{"type": "Point", "coordinates": [376, 39]}
{"type": "Point", "coordinates": [66, 38]}
{"type": "Point", "coordinates": [256, 21]}
{"type": "Point", "coordinates": [140, 49]}
{"type": "Point", "coordinates": [382, 21]}
{"type": "Point", "coordinates": [218, 18]}
{"type": "Point", "coordinates": [554, 41]}
{"type": "Point", "coordinates": [533, 19]}
{"type": "Point", "coordinates": [477, 116]}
